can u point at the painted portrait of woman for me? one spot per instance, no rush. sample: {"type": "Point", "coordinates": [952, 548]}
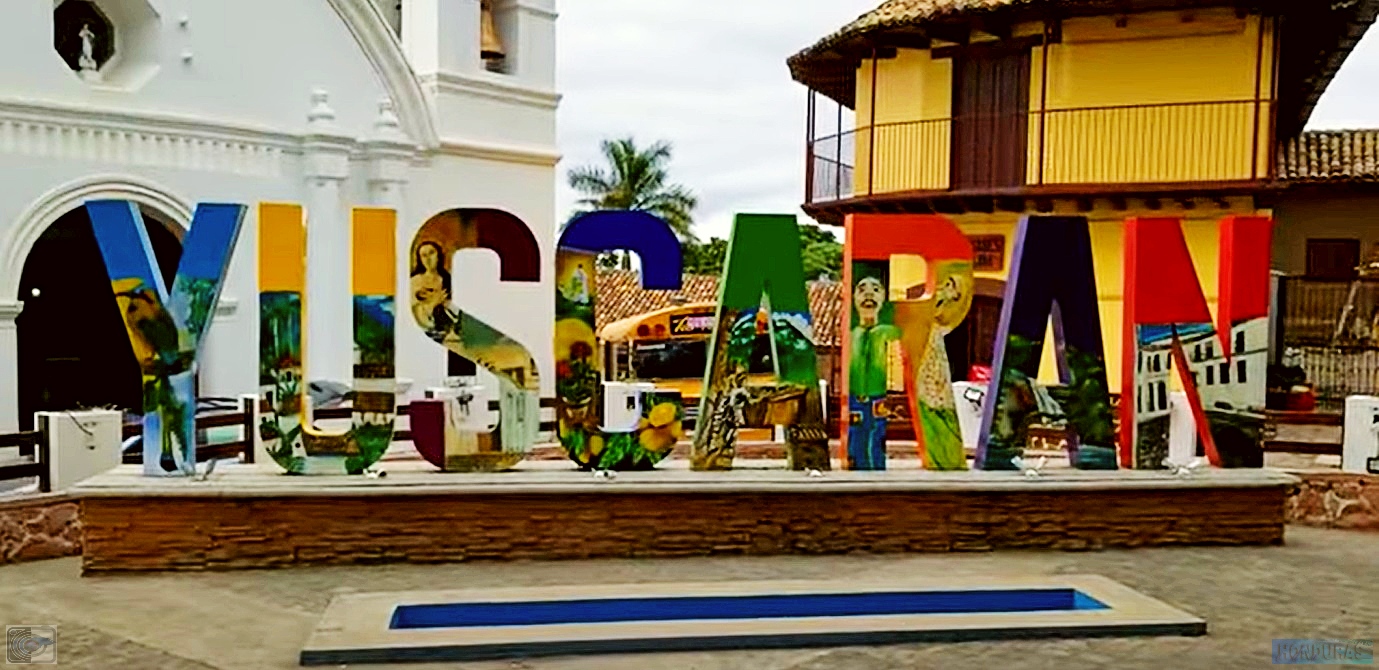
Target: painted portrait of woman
{"type": "Point", "coordinates": [431, 289]}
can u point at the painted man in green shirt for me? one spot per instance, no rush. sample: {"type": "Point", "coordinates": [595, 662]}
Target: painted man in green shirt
{"type": "Point", "coordinates": [867, 376]}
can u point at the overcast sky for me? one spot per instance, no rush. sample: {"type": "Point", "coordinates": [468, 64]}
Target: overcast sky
{"type": "Point", "coordinates": [709, 76]}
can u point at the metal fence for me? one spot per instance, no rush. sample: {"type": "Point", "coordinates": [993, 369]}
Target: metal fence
{"type": "Point", "coordinates": [1330, 327]}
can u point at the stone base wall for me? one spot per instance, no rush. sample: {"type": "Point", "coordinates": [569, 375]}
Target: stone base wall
{"type": "Point", "coordinates": [39, 527]}
{"type": "Point", "coordinates": [191, 533]}
{"type": "Point", "coordinates": [1335, 500]}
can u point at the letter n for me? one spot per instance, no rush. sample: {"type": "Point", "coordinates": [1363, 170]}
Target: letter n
{"type": "Point", "coordinates": [1221, 367]}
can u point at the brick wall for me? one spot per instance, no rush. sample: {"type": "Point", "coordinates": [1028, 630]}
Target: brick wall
{"type": "Point", "coordinates": [171, 533]}
{"type": "Point", "coordinates": [38, 528]}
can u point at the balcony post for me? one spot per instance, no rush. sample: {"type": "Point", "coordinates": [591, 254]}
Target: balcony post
{"type": "Point", "coordinates": [1259, 82]}
{"type": "Point", "coordinates": [1043, 97]}
{"type": "Point", "coordinates": [871, 129]}
{"type": "Point", "coordinates": [838, 157]}
{"type": "Point", "coordinates": [809, 146]}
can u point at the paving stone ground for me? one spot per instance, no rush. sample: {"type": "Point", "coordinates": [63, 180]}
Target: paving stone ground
{"type": "Point", "coordinates": [1321, 584]}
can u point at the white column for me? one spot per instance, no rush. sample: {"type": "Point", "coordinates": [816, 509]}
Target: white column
{"type": "Point", "coordinates": [9, 366]}
{"type": "Point", "coordinates": [528, 32]}
{"type": "Point", "coordinates": [329, 305]}
{"type": "Point", "coordinates": [390, 155]}
{"type": "Point", "coordinates": [441, 35]}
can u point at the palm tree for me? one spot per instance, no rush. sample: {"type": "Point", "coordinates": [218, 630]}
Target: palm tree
{"type": "Point", "coordinates": [635, 178]}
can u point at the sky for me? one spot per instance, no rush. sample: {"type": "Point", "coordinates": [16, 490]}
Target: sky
{"type": "Point", "coordinates": [709, 76]}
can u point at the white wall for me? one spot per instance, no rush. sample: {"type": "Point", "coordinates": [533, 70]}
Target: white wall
{"type": "Point", "coordinates": [227, 126]}
{"type": "Point", "coordinates": [253, 62]}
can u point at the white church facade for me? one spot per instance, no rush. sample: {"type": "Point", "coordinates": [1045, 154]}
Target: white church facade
{"type": "Point", "coordinates": [406, 104]}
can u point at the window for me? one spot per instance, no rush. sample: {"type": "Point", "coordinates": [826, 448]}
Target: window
{"type": "Point", "coordinates": [492, 37]}
{"type": "Point", "coordinates": [83, 36]}
{"type": "Point", "coordinates": [1211, 375]}
{"type": "Point", "coordinates": [1163, 395]}
{"type": "Point", "coordinates": [670, 359]}
{"type": "Point", "coordinates": [1240, 342]}
{"type": "Point", "coordinates": [1225, 373]}
{"type": "Point", "coordinates": [459, 366]}
{"type": "Point", "coordinates": [1211, 350]}
{"type": "Point", "coordinates": [1240, 368]}
{"type": "Point", "coordinates": [1332, 258]}
{"type": "Point", "coordinates": [1197, 354]}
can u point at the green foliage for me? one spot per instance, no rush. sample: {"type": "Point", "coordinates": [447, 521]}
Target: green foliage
{"type": "Point", "coordinates": [821, 252]}
{"type": "Point", "coordinates": [635, 178]}
{"type": "Point", "coordinates": [705, 258]}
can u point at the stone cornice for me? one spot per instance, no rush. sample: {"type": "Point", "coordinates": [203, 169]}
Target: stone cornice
{"type": "Point", "coordinates": [492, 86]}
{"type": "Point", "coordinates": [9, 311]}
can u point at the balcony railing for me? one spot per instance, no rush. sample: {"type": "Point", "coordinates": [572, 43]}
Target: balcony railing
{"type": "Point", "coordinates": [1139, 144]}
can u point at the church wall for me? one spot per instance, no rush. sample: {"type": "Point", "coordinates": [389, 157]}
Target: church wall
{"type": "Point", "coordinates": [251, 62]}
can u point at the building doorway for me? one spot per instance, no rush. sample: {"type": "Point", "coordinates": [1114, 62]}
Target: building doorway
{"type": "Point", "coordinates": [990, 117]}
{"type": "Point", "coordinates": [73, 348]}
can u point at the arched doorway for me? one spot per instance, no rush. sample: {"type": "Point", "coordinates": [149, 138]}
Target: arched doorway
{"type": "Point", "coordinates": [73, 348]}
{"type": "Point", "coordinates": [973, 343]}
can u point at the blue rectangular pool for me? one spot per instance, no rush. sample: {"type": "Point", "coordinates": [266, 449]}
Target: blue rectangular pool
{"type": "Point", "coordinates": [536, 613]}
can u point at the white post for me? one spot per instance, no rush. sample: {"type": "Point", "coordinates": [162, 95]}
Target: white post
{"type": "Point", "coordinates": [80, 444]}
{"type": "Point", "coordinates": [390, 154]}
{"type": "Point", "coordinates": [1182, 429]}
{"type": "Point", "coordinates": [9, 365]}
{"type": "Point", "coordinates": [1361, 439]}
{"type": "Point", "coordinates": [329, 306]}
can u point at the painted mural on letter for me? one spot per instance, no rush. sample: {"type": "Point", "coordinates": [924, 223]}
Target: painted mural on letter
{"type": "Point", "coordinates": [583, 426]}
{"type": "Point", "coordinates": [886, 326]}
{"type": "Point", "coordinates": [431, 303]}
{"type": "Point", "coordinates": [762, 283]}
{"type": "Point", "coordinates": [166, 330]}
{"type": "Point", "coordinates": [1051, 280]}
{"type": "Point", "coordinates": [292, 442]}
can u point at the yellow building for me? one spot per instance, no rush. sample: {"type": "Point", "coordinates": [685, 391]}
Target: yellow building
{"type": "Point", "coordinates": [987, 110]}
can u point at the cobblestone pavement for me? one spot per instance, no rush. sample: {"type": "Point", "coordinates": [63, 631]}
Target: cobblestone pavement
{"type": "Point", "coordinates": [1322, 584]}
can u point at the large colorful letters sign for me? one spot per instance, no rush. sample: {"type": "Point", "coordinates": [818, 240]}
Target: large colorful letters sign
{"type": "Point", "coordinates": [881, 328]}
{"type": "Point", "coordinates": [1168, 325]}
{"type": "Point", "coordinates": [579, 394]}
{"type": "Point", "coordinates": [166, 330]}
{"type": "Point", "coordinates": [433, 247]}
{"type": "Point", "coordinates": [763, 281]}
{"type": "Point", "coordinates": [286, 430]}
{"type": "Point", "coordinates": [1051, 276]}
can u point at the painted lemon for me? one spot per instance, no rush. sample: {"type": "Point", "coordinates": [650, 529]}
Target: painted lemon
{"type": "Point", "coordinates": [595, 445]}
{"type": "Point", "coordinates": [662, 414]}
{"type": "Point", "coordinates": [656, 440]}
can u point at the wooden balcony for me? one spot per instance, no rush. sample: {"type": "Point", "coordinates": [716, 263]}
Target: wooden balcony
{"type": "Point", "coordinates": [1024, 162]}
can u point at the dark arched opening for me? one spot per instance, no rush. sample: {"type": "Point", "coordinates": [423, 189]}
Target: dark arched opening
{"type": "Point", "coordinates": [73, 348]}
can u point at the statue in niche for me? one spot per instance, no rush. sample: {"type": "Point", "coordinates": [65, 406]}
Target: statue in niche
{"type": "Point", "coordinates": [87, 61]}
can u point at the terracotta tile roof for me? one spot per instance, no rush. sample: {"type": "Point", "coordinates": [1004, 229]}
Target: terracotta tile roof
{"type": "Point", "coordinates": [620, 296]}
{"type": "Point", "coordinates": [1330, 155]}
{"type": "Point", "coordinates": [1318, 38]}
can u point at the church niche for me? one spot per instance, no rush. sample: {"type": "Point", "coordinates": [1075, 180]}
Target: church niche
{"type": "Point", "coordinates": [84, 36]}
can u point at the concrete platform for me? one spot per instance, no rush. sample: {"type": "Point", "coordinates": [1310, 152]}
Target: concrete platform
{"type": "Point", "coordinates": [242, 517]}
{"type": "Point", "coordinates": [364, 628]}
